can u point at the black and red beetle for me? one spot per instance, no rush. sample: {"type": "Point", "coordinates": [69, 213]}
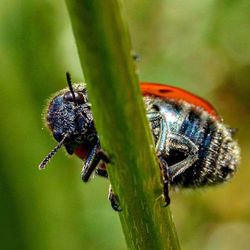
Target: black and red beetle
{"type": "Point", "coordinates": [195, 148]}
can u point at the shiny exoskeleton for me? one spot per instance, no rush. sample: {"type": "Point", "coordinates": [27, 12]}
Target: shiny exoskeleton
{"type": "Point", "coordinates": [194, 148]}
{"type": "Point", "coordinates": [198, 149]}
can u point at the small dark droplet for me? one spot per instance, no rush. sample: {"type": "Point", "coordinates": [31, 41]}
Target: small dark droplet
{"type": "Point", "coordinates": [156, 107]}
{"type": "Point", "coordinates": [164, 90]}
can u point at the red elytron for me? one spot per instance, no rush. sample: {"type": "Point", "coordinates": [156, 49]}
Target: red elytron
{"type": "Point", "coordinates": [169, 92]}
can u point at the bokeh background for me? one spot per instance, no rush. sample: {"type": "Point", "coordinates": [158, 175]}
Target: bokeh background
{"type": "Point", "coordinates": [202, 46]}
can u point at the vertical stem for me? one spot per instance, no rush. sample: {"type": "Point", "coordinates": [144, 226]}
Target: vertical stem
{"type": "Point", "coordinates": [105, 52]}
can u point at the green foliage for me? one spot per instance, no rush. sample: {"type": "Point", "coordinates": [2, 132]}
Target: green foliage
{"type": "Point", "coordinates": [105, 53]}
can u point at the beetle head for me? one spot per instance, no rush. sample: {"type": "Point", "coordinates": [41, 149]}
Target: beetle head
{"type": "Point", "coordinates": [70, 119]}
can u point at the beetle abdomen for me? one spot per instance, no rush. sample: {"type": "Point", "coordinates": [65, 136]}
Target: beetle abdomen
{"type": "Point", "coordinates": [214, 154]}
{"type": "Point", "coordinates": [218, 153]}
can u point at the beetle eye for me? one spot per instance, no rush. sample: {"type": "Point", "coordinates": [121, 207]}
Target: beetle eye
{"type": "Point", "coordinates": [68, 96]}
{"type": "Point", "coordinates": [79, 98]}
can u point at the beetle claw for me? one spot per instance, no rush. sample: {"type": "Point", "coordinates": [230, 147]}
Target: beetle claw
{"type": "Point", "coordinates": [114, 200]}
{"type": "Point", "coordinates": [103, 155]}
{"type": "Point", "coordinates": [166, 178]}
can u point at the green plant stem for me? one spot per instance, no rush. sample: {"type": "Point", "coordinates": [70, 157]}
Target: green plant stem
{"type": "Point", "coordinates": [105, 52]}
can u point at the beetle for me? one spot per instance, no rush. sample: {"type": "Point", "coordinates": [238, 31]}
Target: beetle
{"type": "Point", "coordinates": [194, 147]}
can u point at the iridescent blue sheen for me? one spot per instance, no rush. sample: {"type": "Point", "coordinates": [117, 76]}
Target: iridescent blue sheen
{"type": "Point", "coordinates": [197, 146]}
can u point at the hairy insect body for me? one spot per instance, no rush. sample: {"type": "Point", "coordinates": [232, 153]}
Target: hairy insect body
{"type": "Point", "coordinates": [193, 146]}
{"type": "Point", "coordinates": [64, 117]}
{"type": "Point", "coordinates": [198, 149]}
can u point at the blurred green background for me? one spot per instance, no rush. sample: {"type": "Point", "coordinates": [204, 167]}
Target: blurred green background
{"type": "Point", "coordinates": [202, 46]}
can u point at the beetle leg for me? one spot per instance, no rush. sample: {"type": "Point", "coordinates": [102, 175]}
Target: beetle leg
{"type": "Point", "coordinates": [92, 160]}
{"type": "Point", "coordinates": [184, 144]}
{"type": "Point", "coordinates": [161, 150]}
{"type": "Point", "coordinates": [101, 169]}
{"type": "Point", "coordinates": [90, 164]}
{"type": "Point", "coordinates": [114, 200]}
{"type": "Point", "coordinates": [102, 172]}
{"type": "Point", "coordinates": [103, 155]}
{"type": "Point", "coordinates": [166, 180]}
{"type": "Point", "coordinates": [160, 146]}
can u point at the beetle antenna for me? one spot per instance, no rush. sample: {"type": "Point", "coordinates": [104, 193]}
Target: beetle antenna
{"type": "Point", "coordinates": [68, 77]}
{"type": "Point", "coordinates": [51, 153]}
